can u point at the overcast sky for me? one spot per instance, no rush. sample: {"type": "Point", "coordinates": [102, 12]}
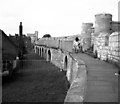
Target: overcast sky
{"type": "Point", "coordinates": [55, 17]}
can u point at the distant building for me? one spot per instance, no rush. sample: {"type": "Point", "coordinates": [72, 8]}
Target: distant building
{"type": "Point", "coordinates": [26, 40]}
{"type": "Point", "coordinates": [9, 49]}
{"type": "Point", "coordinates": [33, 36]}
{"type": "Point", "coordinates": [15, 40]}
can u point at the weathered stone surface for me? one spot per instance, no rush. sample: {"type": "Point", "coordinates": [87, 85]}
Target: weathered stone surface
{"type": "Point", "coordinates": [73, 98]}
{"type": "Point", "coordinates": [75, 71]}
{"type": "Point", "coordinates": [102, 84]}
{"type": "Point", "coordinates": [67, 45]}
{"type": "Point", "coordinates": [84, 79]}
{"type": "Point", "coordinates": [77, 89]}
{"type": "Point", "coordinates": [114, 48]}
{"type": "Point", "coordinates": [57, 58]}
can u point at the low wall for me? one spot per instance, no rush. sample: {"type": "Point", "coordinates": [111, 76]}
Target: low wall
{"type": "Point", "coordinates": [76, 92]}
{"type": "Point", "coordinates": [114, 48]}
{"type": "Point", "coordinates": [107, 47]}
{"type": "Point", "coordinates": [75, 71]}
{"type": "Point", "coordinates": [66, 45]}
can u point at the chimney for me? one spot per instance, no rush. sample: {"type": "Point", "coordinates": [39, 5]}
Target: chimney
{"type": "Point", "coordinates": [20, 29]}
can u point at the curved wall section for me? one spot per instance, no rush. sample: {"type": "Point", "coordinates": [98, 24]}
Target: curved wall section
{"type": "Point", "coordinates": [74, 69]}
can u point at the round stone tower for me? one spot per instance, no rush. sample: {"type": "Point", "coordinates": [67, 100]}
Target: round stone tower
{"type": "Point", "coordinates": [86, 27]}
{"type": "Point", "coordinates": [103, 23]}
{"type": "Point", "coordinates": [86, 35]}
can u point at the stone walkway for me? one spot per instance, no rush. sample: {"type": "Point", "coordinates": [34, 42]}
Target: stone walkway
{"type": "Point", "coordinates": [102, 84]}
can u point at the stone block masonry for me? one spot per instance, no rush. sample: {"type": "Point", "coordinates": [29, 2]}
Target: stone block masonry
{"type": "Point", "coordinates": [101, 45]}
{"type": "Point", "coordinates": [86, 35]}
{"type": "Point", "coordinates": [59, 51]}
{"type": "Point", "coordinates": [74, 69]}
{"type": "Point", "coordinates": [107, 47]}
{"type": "Point", "coordinates": [106, 38]}
{"type": "Point", "coordinates": [76, 92]}
{"type": "Point", "coordinates": [66, 45]}
{"type": "Point", "coordinates": [57, 58]}
{"type": "Point", "coordinates": [114, 48]}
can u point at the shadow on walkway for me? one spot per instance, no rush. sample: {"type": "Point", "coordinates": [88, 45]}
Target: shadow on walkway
{"type": "Point", "coordinates": [37, 81]}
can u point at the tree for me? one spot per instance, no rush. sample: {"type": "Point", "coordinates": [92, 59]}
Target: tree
{"type": "Point", "coordinates": [46, 36]}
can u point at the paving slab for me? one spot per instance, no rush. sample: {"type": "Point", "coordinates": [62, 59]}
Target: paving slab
{"type": "Point", "coordinates": [102, 84]}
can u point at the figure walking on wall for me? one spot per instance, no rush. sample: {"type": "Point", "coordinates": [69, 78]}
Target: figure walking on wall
{"type": "Point", "coordinates": [76, 44]}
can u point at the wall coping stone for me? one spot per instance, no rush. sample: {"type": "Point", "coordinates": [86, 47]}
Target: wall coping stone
{"type": "Point", "coordinates": [77, 90]}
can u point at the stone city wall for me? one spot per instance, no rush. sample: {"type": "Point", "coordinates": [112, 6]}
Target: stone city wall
{"type": "Point", "coordinates": [107, 47]}
{"type": "Point", "coordinates": [106, 38]}
{"type": "Point", "coordinates": [115, 26]}
{"type": "Point", "coordinates": [59, 51]}
{"type": "Point", "coordinates": [101, 45]}
{"type": "Point", "coordinates": [86, 31]}
{"type": "Point", "coordinates": [66, 45]}
{"type": "Point", "coordinates": [114, 48]}
{"type": "Point", "coordinates": [75, 70]}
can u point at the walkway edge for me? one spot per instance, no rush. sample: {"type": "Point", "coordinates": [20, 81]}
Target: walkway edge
{"type": "Point", "coordinates": [77, 90]}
